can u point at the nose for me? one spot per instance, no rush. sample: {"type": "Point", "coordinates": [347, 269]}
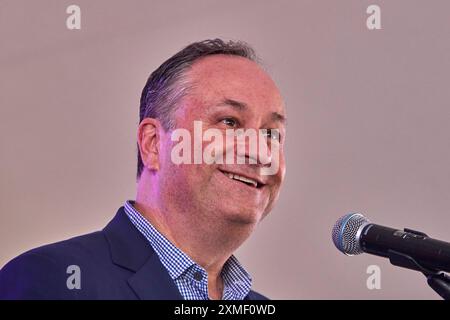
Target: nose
{"type": "Point", "coordinates": [252, 147]}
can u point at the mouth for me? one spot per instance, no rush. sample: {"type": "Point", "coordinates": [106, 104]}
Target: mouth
{"type": "Point", "coordinates": [245, 180]}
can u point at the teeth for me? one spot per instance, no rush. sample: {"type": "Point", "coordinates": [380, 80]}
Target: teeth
{"type": "Point", "coordinates": [244, 179]}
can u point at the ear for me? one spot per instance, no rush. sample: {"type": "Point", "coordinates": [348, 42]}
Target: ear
{"type": "Point", "coordinates": [149, 142]}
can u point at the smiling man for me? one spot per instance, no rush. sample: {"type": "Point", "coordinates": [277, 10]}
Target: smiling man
{"type": "Point", "coordinates": [176, 240]}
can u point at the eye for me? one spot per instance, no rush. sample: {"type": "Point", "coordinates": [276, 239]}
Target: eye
{"type": "Point", "coordinates": [273, 134]}
{"type": "Point", "coordinates": [231, 122]}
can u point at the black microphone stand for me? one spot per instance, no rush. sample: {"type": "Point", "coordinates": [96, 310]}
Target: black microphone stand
{"type": "Point", "coordinates": [440, 283]}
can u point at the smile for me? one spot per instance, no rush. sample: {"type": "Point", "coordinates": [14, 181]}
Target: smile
{"type": "Point", "coordinates": [248, 181]}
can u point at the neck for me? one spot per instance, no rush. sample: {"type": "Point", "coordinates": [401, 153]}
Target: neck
{"type": "Point", "coordinates": [210, 245]}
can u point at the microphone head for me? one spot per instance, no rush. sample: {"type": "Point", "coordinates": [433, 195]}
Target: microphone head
{"type": "Point", "coordinates": [346, 233]}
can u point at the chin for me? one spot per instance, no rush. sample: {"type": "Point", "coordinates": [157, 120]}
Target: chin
{"type": "Point", "coordinates": [244, 217]}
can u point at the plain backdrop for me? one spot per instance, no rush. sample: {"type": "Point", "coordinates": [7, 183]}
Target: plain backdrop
{"type": "Point", "coordinates": [368, 125]}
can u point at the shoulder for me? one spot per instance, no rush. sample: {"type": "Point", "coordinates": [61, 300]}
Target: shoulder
{"type": "Point", "coordinates": [253, 295]}
{"type": "Point", "coordinates": [42, 273]}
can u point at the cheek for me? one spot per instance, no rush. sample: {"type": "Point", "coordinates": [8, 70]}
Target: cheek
{"type": "Point", "coordinates": [282, 171]}
{"type": "Point", "coordinates": [278, 178]}
{"type": "Point", "coordinates": [187, 177]}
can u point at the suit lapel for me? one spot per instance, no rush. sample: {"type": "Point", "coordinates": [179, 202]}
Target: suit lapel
{"type": "Point", "coordinates": [153, 275]}
{"type": "Point", "coordinates": [131, 250]}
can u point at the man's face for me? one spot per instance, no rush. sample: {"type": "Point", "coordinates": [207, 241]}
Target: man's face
{"type": "Point", "coordinates": [228, 93]}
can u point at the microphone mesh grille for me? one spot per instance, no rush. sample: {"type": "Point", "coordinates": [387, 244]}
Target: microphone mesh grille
{"type": "Point", "coordinates": [345, 232]}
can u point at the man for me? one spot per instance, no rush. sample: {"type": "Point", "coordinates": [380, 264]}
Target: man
{"type": "Point", "coordinates": [176, 240]}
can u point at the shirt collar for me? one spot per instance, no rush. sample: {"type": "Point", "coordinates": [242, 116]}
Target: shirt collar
{"type": "Point", "coordinates": [174, 260]}
{"type": "Point", "coordinates": [235, 277]}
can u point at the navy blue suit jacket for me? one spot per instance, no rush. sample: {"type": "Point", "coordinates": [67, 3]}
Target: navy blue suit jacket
{"type": "Point", "coordinates": [115, 263]}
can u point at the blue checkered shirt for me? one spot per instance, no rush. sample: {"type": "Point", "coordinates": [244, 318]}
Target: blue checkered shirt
{"type": "Point", "coordinates": [190, 278]}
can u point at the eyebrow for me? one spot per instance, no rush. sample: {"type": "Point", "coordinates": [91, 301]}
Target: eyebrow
{"type": "Point", "coordinates": [234, 103]}
{"type": "Point", "coordinates": [241, 106]}
{"type": "Point", "coordinates": [277, 117]}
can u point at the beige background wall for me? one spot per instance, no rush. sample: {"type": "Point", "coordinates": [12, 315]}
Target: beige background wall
{"type": "Point", "coordinates": [368, 124]}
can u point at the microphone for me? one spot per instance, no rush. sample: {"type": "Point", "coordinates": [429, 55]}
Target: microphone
{"type": "Point", "coordinates": [354, 234]}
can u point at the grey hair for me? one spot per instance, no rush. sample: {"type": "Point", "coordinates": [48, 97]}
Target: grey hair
{"type": "Point", "coordinates": [167, 85]}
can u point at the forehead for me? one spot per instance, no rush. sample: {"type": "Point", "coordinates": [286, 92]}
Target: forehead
{"type": "Point", "coordinates": [220, 76]}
